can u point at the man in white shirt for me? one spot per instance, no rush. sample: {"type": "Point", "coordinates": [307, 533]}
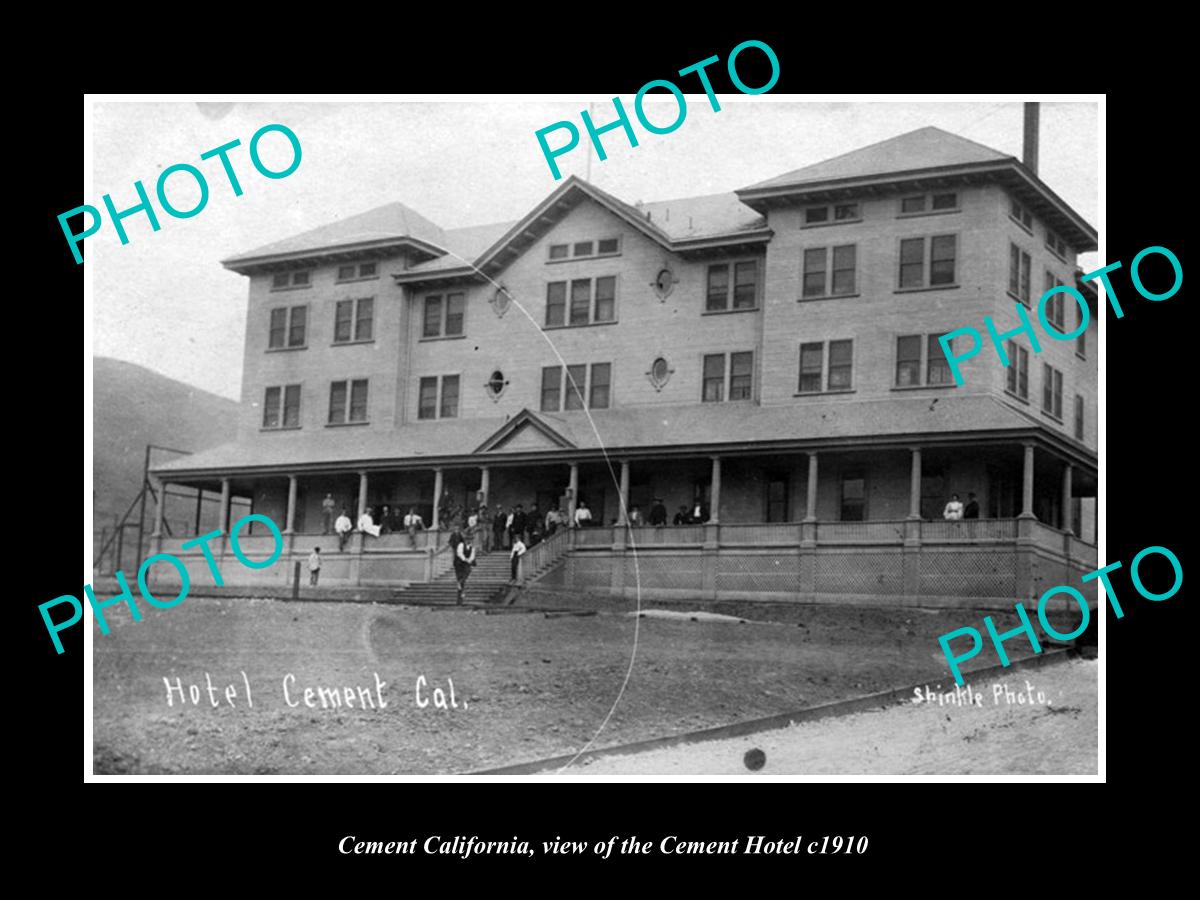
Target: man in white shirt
{"type": "Point", "coordinates": [583, 516]}
{"type": "Point", "coordinates": [954, 509]}
{"type": "Point", "coordinates": [518, 550]}
{"type": "Point", "coordinates": [412, 524]}
{"type": "Point", "coordinates": [343, 526]}
{"type": "Point", "coordinates": [366, 524]}
{"type": "Point", "coordinates": [314, 566]}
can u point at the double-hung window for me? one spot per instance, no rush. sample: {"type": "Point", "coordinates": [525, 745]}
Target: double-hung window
{"type": "Point", "coordinates": [1018, 370]}
{"type": "Point", "coordinates": [826, 367]}
{"type": "Point", "coordinates": [289, 327]}
{"type": "Point", "coordinates": [727, 376]}
{"type": "Point", "coordinates": [353, 320]}
{"type": "Point", "coordinates": [732, 286]}
{"type": "Point", "coordinates": [567, 388]}
{"type": "Point", "coordinates": [830, 271]}
{"type": "Point", "coordinates": [928, 262]}
{"type": "Point", "coordinates": [348, 401]}
{"type": "Point", "coordinates": [281, 407]}
{"type": "Point", "coordinates": [438, 397]}
{"type": "Point", "coordinates": [443, 315]}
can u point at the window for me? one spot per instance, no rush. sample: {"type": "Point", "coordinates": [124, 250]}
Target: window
{"type": "Point", "coordinates": [551, 388]}
{"type": "Point", "coordinates": [842, 212]}
{"type": "Point", "coordinates": [821, 280]}
{"type": "Point", "coordinates": [742, 277]}
{"type": "Point", "coordinates": [282, 281]}
{"type": "Point", "coordinates": [285, 414]}
{"type": "Point", "coordinates": [581, 301]}
{"type": "Point", "coordinates": [945, 201]}
{"type": "Point", "coordinates": [739, 367]}
{"type": "Point", "coordinates": [584, 249]}
{"type": "Point", "coordinates": [1023, 217]}
{"type": "Point", "coordinates": [811, 367]}
{"type": "Point", "coordinates": [599, 389]}
{"type": "Point", "coordinates": [909, 367]}
{"type": "Point", "coordinates": [355, 272]}
{"type": "Point", "coordinates": [602, 290]}
{"type": "Point", "coordinates": [353, 320]}
{"type": "Point", "coordinates": [1056, 244]}
{"type": "Point", "coordinates": [933, 488]}
{"type": "Point", "coordinates": [836, 376]}
{"type": "Point", "coordinates": [943, 250]}
{"type": "Point", "coordinates": [941, 259]}
{"type": "Point", "coordinates": [444, 316]}
{"type": "Point", "coordinates": [429, 406]}
{"type": "Point", "coordinates": [288, 327]}
{"type": "Point", "coordinates": [1078, 417]}
{"type": "Point", "coordinates": [1018, 273]}
{"type": "Point", "coordinates": [854, 497]}
{"type": "Point", "coordinates": [575, 386]}
{"type": "Point", "coordinates": [908, 360]}
{"type": "Point", "coordinates": [449, 405]}
{"type": "Point", "coordinates": [1052, 391]}
{"type": "Point", "coordinates": [348, 401]}
{"type": "Point", "coordinates": [496, 384]}
{"type": "Point", "coordinates": [569, 387]}
{"type": "Point", "coordinates": [1055, 306]}
{"type": "Point", "coordinates": [1018, 370]}
{"type": "Point", "coordinates": [938, 369]}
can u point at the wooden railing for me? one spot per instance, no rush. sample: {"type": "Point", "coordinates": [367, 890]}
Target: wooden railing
{"type": "Point", "coordinates": [868, 532]}
{"type": "Point", "coordinates": [651, 535]}
{"type": "Point", "coordinates": [546, 552]}
{"type": "Point", "coordinates": [969, 530]}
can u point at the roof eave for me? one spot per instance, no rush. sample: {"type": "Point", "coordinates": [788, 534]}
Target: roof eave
{"type": "Point", "coordinates": [245, 265]}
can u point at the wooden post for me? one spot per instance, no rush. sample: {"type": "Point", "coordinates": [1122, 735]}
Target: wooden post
{"type": "Point", "coordinates": [291, 505]}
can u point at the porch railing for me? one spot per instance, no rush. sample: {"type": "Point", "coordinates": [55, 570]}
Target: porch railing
{"type": "Point", "coordinates": [969, 530]}
{"type": "Point", "coordinates": [546, 552]}
{"type": "Point", "coordinates": [881, 532]}
{"type": "Point", "coordinates": [651, 535]}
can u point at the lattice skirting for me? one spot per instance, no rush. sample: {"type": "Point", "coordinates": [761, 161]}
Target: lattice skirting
{"type": "Point", "coordinates": [859, 573]}
{"type": "Point", "coordinates": [975, 573]}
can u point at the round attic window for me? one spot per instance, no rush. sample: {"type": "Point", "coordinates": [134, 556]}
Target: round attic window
{"type": "Point", "coordinates": [664, 282]}
{"type": "Point", "coordinates": [660, 372]}
{"type": "Point", "coordinates": [496, 384]}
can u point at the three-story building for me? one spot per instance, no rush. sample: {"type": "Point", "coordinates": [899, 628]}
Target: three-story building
{"type": "Point", "coordinates": [768, 358]}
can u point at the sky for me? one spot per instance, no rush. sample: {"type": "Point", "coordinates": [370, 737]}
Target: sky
{"type": "Point", "coordinates": [164, 301]}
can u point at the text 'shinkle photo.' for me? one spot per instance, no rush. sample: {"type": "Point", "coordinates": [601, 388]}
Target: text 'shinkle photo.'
{"type": "Point", "coordinates": [697, 431]}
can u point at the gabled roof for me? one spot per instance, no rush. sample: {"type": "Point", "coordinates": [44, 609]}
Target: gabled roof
{"type": "Point", "coordinates": [381, 226]}
{"type": "Point", "coordinates": [925, 148]}
{"type": "Point", "coordinates": [525, 421]}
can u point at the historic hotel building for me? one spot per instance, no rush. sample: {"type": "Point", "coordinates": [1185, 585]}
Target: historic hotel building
{"type": "Point", "coordinates": [769, 353]}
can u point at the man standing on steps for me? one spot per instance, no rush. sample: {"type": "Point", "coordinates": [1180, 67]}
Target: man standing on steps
{"type": "Point", "coordinates": [464, 560]}
{"type": "Point", "coordinates": [518, 550]}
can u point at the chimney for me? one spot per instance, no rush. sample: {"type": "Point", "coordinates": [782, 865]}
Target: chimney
{"type": "Point", "coordinates": [1031, 137]}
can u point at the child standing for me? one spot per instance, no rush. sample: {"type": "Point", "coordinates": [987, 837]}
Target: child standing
{"type": "Point", "coordinates": [314, 566]}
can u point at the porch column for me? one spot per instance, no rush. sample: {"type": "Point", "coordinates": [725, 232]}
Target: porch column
{"type": "Point", "coordinates": [622, 506]}
{"type": "Point", "coordinates": [810, 499]}
{"type": "Point", "coordinates": [715, 492]}
{"type": "Point", "coordinates": [485, 483]}
{"type": "Point", "coordinates": [223, 514]}
{"type": "Point", "coordinates": [199, 507]}
{"type": "Point", "coordinates": [291, 505]}
{"type": "Point", "coordinates": [362, 495]}
{"type": "Point", "coordinates": [1066, 499]}
{"type": "Point", "coordinates": [573, 494]}
{"type": "Point", "coordinates": [161, 500]}
{"type": "Point", "coordinates": [1027, 485]}
{"type": "Point", "coordinates": [437, 496]}
{"type": "Point", "coordinates": [914, 488]}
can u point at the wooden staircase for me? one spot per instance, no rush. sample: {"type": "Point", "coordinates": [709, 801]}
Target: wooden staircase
{"type": "Point", "coordinates": [489, 582]}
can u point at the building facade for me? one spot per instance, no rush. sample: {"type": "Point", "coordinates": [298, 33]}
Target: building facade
{"type": "Point", "coordinates": [768, 355]}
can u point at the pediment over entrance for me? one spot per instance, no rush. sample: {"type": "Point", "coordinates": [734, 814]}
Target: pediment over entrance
{"type": "Point", "coordinates": [523, 432]}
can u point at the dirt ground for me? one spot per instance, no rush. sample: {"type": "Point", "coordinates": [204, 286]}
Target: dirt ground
{"type": "Point", "coordinates": [1057, 737]}
{"type": "Point", "coordinates": [527, 686]}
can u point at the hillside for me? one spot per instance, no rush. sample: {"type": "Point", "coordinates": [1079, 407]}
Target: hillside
{"type": "Point", "coordinates": [134, 407]}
